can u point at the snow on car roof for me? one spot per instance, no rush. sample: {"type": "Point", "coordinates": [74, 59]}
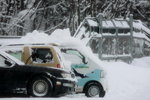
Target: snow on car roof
{"type": "Point", "coordinates": [57, 38]}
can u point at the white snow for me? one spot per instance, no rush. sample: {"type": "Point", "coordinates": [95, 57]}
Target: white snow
{"type": "Point", "coordinates": [125, 81]}
{"type": "Point", "coordinates": [108, 34]}
{"type": "Point", "coordinates": [128, 82]}
{"type": "Point", "coordinates": [35, 37]}
{"type": "Point", "coordinates": [92, 22]}
{"type": "Point", "coordinates": [139, 25]}
{"type": "Point", "coordinates": [121, 24]}
{"type": "Point", "coordinates": [107, 24]}
{"type": "Point", "coordinates": [81, 31]}
{"type": "Point", "coordinates": [61, 33]}
{"type": "Point", "coordinates": [4, 41]}
{"type": "Point", "coordinates": [140, 35]}
{"type": "Point", "coordinates": [115, 23]}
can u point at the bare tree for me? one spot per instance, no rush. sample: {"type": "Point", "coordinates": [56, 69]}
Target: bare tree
{"type": "Point", "coordinates": [18, 17]}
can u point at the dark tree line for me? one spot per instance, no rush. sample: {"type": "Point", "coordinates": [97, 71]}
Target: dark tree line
{"type": "Point", "coordinates": [18, 17]}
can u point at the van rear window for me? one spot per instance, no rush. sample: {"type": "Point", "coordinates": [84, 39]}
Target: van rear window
{"type": "Point", "coordinates": [41, 55]}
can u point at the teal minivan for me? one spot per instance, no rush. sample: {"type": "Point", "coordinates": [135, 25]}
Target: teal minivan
{"type": "Point", "coordinates": [87, 67]}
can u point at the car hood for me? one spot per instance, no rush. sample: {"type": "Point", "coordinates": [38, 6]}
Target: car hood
{"type": "Point", "coordinates": [49, 69]}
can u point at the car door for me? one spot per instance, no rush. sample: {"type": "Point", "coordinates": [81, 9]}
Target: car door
{"type": "Point", "coordinates": [12, 76]}
{"type": "Point", "coordinates": [5, 74]}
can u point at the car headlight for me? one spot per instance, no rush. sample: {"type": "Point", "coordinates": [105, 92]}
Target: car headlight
{"type": "Point", "coordinates": [66, 75]}
{"type": "Point", "coordinates": [103, 74]}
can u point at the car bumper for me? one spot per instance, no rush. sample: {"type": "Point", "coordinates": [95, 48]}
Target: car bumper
{"type": "Point", "coordinates": [63, 87]}
{"type": "Point", "coordinates": [104, 83]}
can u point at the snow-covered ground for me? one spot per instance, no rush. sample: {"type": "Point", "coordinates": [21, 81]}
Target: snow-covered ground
{"type": "Point", "coordinates": [125, 81]}
{"type": "Point", "coordinates": [128, 81]}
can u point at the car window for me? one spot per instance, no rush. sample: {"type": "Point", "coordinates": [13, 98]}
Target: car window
{"type": "Point", "coordinates": [74, 56]}
{"type": "Point", "coordinates": [41, 55]}
{"type": "Point", "coordinates": [2, 61]}
{"type": "Point", "coordinates": [59, 57]}
{"type": "Point", "coordinates": [17, 54]}
{"type": "Point", "coordinates": [74, 52]}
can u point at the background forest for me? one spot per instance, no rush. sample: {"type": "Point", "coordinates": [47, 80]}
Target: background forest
{"type": "Point", "coordinates": [17, 17]}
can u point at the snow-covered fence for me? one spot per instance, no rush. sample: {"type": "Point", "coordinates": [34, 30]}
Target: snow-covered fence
{"type": "Point", "coordinates": [141, 47]}
{"type": "Point", "coordinates": [114, 39]}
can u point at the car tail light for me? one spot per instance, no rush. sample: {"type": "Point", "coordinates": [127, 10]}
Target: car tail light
{"type": "Point", "coordinates": [58, 66]}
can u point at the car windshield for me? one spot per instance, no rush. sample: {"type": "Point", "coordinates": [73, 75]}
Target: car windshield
{"type": "Point", "coordinates": [12, 58]}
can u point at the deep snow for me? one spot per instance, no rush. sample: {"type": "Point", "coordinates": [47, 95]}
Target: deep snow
{"type": "Point", "coordinates": [125, 81]}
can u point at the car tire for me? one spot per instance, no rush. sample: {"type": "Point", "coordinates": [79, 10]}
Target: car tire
{"type": "Point", "coordinates": [40, 87]}
{"type": "Point", "coordinates": [93, 90]}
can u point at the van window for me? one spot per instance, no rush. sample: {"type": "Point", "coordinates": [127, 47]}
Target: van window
{"type": "Point", "coordinates": [75, 56]}
{"type": "Point", "coordinates": [17, 54]}
{"type": "Point", "coordinates": [41, 55]}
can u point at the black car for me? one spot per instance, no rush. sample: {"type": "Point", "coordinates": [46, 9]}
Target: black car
{"type": "Point", "coordinates": [35, 81]}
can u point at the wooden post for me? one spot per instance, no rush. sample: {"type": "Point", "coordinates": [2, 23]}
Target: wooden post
{"type": "Point", "coordinates": [100, 21]}
{"type": "Point", "coordinates": [117, 44]}
{"type": "Point", "coordinates": [131, 36]}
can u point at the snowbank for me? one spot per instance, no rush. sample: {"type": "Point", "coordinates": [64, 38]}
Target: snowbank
{"type": "Point", "coordinates": [61, 33]}
{"type": "Point", "coordinates": [128, 82]}
{"type": "Point", "coordinates": [40, 37]}
{"type": "Point", "coordinates": [35, 37]}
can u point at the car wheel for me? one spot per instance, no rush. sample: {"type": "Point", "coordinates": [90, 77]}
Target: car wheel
{"type": "Point", "coordinates": [93, 90]}
{"type": "Point", "coordinates": [40, 87]}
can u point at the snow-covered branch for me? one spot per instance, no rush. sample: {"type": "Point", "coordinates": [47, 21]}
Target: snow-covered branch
{"type": "Point", "coordinates": [56, 26]}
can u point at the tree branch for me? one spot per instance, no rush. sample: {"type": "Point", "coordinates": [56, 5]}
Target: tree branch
{"type": "Point", "coordinates": [56, 26]}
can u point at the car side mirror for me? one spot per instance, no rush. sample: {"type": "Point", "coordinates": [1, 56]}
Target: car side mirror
{"type": "Point", "coordinates": [85, 60]}
{"type": "Point", "coordinates": [8, 63]}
